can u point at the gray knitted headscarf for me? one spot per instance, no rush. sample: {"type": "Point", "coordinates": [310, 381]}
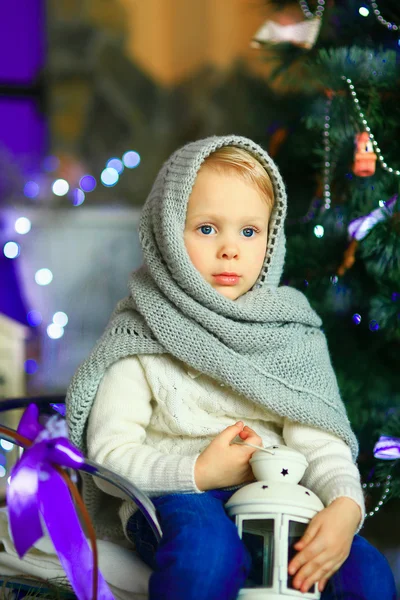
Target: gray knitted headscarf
{"type": "Point", "coordinates": [267, 345]}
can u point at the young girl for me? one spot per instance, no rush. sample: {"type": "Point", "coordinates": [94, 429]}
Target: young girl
{"type": "Point", "coordinates": [205, 342]}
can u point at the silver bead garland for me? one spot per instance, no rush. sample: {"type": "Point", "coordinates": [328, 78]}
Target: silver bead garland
{"type": "Point", "coordinates": [307, 12]}
{"type": "Point", "coordinates": [327, 157]}
{"type": "Point", "coordinates": [386, 485]}
{"type": "Point", "coordinates": [384, 165]}
{"type": "Point", "coordinates": [382, 21]}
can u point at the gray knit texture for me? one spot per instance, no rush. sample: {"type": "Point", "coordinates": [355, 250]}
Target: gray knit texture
{"type": "Point", "coordinates": [267, 345]}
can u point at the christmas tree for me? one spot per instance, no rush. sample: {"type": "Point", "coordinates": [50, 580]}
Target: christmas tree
{"type": "Point", "coordinates": [334, 133]}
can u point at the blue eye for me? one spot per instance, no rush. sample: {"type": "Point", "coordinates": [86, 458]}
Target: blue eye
{"type": "Point", "coordinates": [206, 229]}
{"type": "Point", "coordinates": [249, 229]}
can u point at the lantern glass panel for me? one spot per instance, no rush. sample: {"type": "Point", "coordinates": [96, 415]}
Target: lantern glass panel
{"type": "Point", "coordinates": [296, 532]}
{"type": "Point", "coordinates": [258, 537]}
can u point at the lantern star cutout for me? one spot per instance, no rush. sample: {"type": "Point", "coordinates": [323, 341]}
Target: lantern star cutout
{"type": "Point", "coordinates": [285, 472]}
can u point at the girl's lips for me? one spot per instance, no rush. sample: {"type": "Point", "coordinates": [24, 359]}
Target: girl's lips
{"type": "Point", "coordinates": [227, 279]}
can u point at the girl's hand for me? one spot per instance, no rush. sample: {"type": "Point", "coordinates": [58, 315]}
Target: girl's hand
{"type": "Point", "coordinates": [223, 464]}
{"type": "Point", "coordinates": [325, 544]}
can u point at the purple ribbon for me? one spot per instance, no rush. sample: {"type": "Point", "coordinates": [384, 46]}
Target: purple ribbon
{"type": "Point", "coordinates": [37, 495]}
{"type": "Point", "coordinates": [361, 227]}
{"type": "Point", "coordinates": [387, 448]}
{"type": "Point", "coordinates": [60, 408]}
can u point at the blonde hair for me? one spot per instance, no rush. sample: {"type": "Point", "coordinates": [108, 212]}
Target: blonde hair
{"type": "Point", "coordinates": [245, 165]}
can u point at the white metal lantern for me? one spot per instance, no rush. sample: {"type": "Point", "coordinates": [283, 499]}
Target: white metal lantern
{"type": "Point", "coordinates": [271, 515]}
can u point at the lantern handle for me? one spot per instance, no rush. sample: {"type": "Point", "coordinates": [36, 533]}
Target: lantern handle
{"type": "Point", "coordinates": [253, 446]}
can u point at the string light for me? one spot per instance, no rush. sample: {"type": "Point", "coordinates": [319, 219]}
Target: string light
{"type": "Point", "coordinates": [109, 177]}
{"type": "Point", "coordinates": [131, 159]}
{"type": "Point", "coordinates": [307, 12]}
{"type": "Point", "coordinates": [34, 318]}
{"type": "Point", "coordinates": [11, 250]}
{"type": "Point", "coordinates": [383, 498]}
{"type": "Point", "coordinates": [30, 366]}
{"type": "Point", "coordinates": [87, 183]}
{"type": "Point", "coordinates": [43, 276]}
{"type": "Point", "coordinates": [319, 231]}
{"type": "Point", "coordinates": [55, 331]}
{"type": "Point", "coordinates": [78, 197]}
{"type": "Point", "coordinates": [373, 325]}
{"type": "Point", "coordinates": [60, 319]}
{"type": "Point", "coordinates": [51, 163]}
{"type": "Point", "coordinates": [31, 189]}
{"type": "Point", "coordinates": [6, 445]}
{"type": "Point", "coordinates": [60, 187]}
{"type": "Point", "coordinates": [22, 225]}
{"type": "Point", "coordinates": [117, 164]}
{"type": "Point", "coordinates": [382, 21]}
{"type": "Point", "coordinates": [364, 121]}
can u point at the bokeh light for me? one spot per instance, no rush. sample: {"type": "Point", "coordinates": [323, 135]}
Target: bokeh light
{"type": "Point", "coordinates": [22, 225]}
{"type": "Point", "coordinates": [373, 325]}
{"type": "Point", "coordinates": [31, 189]}
{"type": "Point", "coordinates": [319, 231]}
{"type": "Point", "coordinates": [117, 164]}
{"type": "Point", "coordinates": [131, 159]}
{"type": "Point", "coordinates": [51, 163]}
{"type": "Point", "coordinates": [34, 318]}
{"type": "Point", "coordinates": [109, 177]}
{"type": "Point", "coordinates": [60, 318]}
{"type": "Point", "coordinates": [78, 197]}
{"type": "Point", "coordinates": [55, 331]}
{"type": "Point", "coordinates": [356, 319]}
{"type": "Point", "coordinates": [11, 249]}
{"type": "Point", "coordinates": [60, 187]}
{"type": "Point", "coordinates": [6, 445]}
{"type": "Point", "coordinates": [43, 276]}
{"type": "Point", "coordinates": [3, 472]}
{"type": "Point", "coordinates": [30, 366]}
{"type": "Point", "coordinates": [363, 10]}
{"type": "Point", "coordinates": [87, 183]}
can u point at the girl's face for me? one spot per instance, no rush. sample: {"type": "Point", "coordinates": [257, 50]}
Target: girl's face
{"type": "Point", "coordinates": [226, 231]}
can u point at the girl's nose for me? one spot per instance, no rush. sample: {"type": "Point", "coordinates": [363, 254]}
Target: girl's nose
{"type": "Point", "coordinates": [228, 251]}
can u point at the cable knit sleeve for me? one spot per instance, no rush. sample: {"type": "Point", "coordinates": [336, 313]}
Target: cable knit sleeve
{"type": "Point", "coordinates": [117, 432]}
{"type": "Point", "coordinates": [331, 472]}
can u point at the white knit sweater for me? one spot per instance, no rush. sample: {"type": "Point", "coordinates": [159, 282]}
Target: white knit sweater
{"type": "Point", "coordinates": [153, 415]}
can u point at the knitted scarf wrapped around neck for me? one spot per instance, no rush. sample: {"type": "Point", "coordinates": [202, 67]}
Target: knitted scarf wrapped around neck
{"type": "Point", "coordinates": [267, 345]}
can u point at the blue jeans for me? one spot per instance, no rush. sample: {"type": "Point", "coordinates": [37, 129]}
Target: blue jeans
{"type": "Point", "coordinates": [201, 556]}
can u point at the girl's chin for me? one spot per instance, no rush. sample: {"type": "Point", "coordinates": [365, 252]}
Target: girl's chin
{"type": "Point", "coordinates": [230, 292]}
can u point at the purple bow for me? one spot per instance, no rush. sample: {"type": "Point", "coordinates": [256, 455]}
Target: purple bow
{"type": "Point", "coordinates": [387, 448]}
{"type": "Point", "coordinates": [360, 227]}
{"type": "Point", "coordinates": [37, 495]}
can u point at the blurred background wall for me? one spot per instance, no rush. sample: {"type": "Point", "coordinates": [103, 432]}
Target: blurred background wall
{"type": "Point", "coordinates": [85, 82]}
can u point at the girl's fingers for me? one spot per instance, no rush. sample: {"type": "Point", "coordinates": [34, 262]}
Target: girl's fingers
{"type": "Point", "coordinates": [322, 583]}
{"type": "Point", "coordinates": [313, 573]}
{"type": "Point", "coordinates": [307, 549]}
{"type": "Point", "coordinates": [324, 580]}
